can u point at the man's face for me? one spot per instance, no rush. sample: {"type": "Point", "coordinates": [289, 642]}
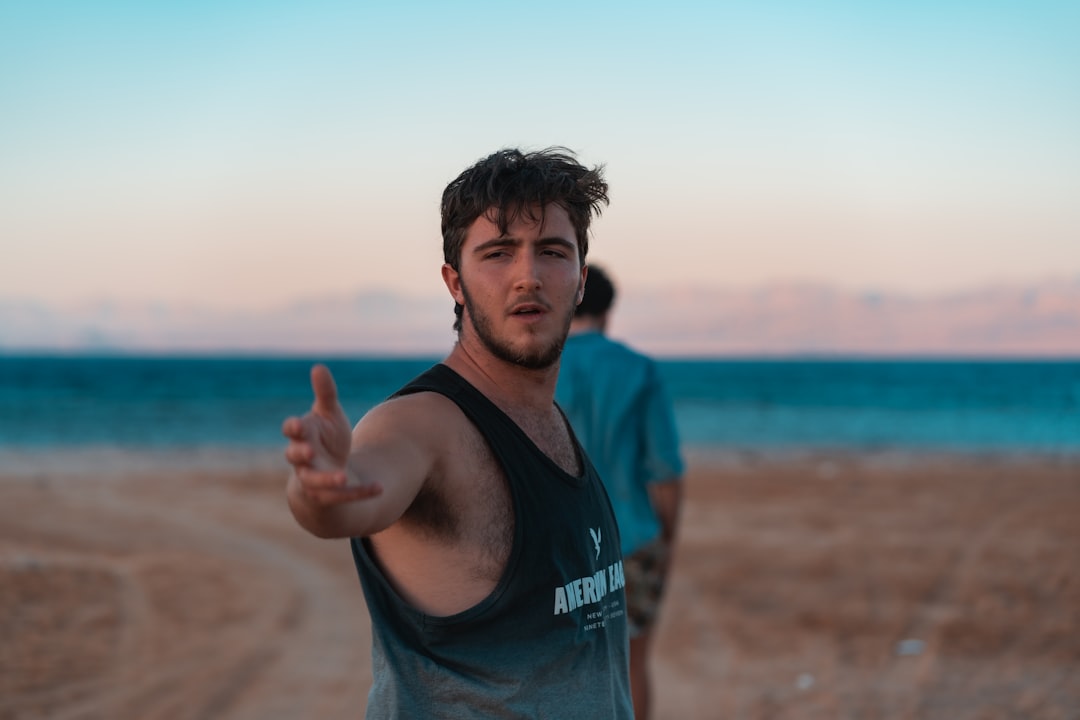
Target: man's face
{"type": "Point", "coordinates": [519, 289]}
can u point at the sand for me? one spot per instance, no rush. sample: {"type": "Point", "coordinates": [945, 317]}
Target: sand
{"type": "Point", "coordinates": [808, 586]}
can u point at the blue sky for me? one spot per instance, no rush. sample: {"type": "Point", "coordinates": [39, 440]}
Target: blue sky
{"type": "Point", "coordinates": [243, 154]}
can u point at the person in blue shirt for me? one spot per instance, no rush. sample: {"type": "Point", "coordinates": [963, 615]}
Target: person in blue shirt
{"type": "Point", "coordinates": [615, 401]}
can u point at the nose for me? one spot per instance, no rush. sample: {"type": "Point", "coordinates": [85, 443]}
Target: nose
{"type": "Point", "coordinates": [527, 271]}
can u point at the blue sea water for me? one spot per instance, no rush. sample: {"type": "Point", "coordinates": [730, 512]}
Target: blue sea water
{"type": "Point", "coordinates": [154, 403]}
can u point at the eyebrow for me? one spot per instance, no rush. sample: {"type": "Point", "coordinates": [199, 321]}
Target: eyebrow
{"type": "Point", "coordinates": [508, 241]}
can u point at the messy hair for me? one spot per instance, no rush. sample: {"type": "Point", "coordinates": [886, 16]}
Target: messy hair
{"type": "Point", "coordinates": [511, 184]}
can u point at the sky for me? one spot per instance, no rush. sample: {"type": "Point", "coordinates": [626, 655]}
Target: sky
{"type": "Point", "coordinates": [244, 155]}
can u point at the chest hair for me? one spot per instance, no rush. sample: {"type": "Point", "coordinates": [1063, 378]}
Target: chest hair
{"type": "Point", "coordinates": [552, 436]}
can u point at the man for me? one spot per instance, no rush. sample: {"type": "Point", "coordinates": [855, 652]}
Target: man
{"type": "Point", "coordinates": [485, 544]}
{"type": "Point", "coordinates": [616, 403]}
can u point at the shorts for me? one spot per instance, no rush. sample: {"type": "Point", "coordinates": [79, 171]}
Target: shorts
{"type": "Point", "coordinates": [645, 570]}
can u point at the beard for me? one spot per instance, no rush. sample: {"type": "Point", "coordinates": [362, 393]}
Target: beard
{"type": "Point", "coordinates": [539, 358]}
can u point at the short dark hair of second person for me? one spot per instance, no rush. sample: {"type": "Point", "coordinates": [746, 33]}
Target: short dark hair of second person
{"type": "Point", "coordinates": [599, 294]}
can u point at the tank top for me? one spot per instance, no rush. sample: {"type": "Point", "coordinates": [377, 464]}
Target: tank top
{"type": "Point", "coordinates": [550, 641]}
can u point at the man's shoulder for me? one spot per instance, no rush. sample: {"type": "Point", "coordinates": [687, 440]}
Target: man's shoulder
{"type": "Point", "coordinates": [425, 414]}
{"type": "Point", "coordinates": [438, 378]}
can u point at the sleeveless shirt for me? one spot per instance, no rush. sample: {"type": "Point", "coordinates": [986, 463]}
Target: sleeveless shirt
{"type": "Point", "coordinates": [550, 641]}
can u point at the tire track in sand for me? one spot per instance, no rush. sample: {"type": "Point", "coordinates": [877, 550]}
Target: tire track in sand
{"type": "Point", "coordinates": [220, 617]}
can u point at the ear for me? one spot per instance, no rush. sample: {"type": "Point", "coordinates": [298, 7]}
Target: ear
{"type": "Point", "coordinates": [581, 285]}
{"type": "Point", "coordinates": [452, 278]}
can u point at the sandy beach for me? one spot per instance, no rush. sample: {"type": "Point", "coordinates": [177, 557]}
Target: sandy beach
{"type": "Point", "coordinates": [810, 586]}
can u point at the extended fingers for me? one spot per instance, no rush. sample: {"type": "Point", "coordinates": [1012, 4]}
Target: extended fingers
{"type": "Point", "coordinates": [299, 453]}
{"type": "Point", "coordinates": [312, 479]}
{"type": "Point", "coordinates": [293, 428]}
{"type": "Point", "coordinates": [326, 396]}
{"type": "Point", "coordinates": [330, 487]}
{"type": "Point", "coordinates": [338, 497]}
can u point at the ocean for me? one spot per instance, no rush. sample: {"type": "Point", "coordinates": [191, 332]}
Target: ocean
{"type": "Point", "coordinates": [173, 403]}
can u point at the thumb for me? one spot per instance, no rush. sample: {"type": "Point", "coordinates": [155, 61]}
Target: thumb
{"type": "Point", "coordinates": [326, 395]}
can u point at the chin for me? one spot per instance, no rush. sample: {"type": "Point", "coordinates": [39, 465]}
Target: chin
{"type": "Point", "coordinates": [540, 357]}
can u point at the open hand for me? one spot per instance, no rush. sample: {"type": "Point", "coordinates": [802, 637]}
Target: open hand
{"type": "Point", "coordinates": [319, 444]}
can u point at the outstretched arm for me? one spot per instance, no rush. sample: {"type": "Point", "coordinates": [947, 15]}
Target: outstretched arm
{"type": "Point", "coordinates": [351, 483]}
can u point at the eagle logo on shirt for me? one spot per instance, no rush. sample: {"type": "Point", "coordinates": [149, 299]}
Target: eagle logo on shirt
{"type": "Point", "coordinates": [596, 540]}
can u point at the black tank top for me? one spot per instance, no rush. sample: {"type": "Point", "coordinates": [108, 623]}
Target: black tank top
{"type": "Point", "coordinates": [550, 641]}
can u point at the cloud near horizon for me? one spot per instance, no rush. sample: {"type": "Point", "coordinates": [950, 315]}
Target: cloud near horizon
{"type": "Point", "coordinates": [1040, 319]}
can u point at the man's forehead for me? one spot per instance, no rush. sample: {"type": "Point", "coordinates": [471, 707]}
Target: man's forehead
{"type": "Point", "coordinates": [526, 217]}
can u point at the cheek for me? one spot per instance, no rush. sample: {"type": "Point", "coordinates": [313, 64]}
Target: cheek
{"type": "Point", "coordinates": [571, 280]}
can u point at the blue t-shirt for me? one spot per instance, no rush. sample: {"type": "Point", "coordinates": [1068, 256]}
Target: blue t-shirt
{"type": "Point", "coordinates": [615, 401]}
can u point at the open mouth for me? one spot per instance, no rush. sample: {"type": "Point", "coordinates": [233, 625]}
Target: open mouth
{"type": "Point", "coordinates": [528, 310]}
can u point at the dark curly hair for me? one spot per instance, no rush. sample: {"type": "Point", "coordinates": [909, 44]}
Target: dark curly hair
{"type": "Point", "coordinates": [509, 184]}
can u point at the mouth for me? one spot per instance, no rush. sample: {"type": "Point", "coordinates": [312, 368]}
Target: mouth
{"type": "Point", "coordinates": [528, 310]}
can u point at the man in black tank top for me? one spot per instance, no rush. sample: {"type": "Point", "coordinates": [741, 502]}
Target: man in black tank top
{"type": "Point", "coordinates": [484, 541]}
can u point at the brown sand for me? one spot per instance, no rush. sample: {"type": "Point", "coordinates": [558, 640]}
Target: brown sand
{"type": "Point", "coordinates": [160, 588]}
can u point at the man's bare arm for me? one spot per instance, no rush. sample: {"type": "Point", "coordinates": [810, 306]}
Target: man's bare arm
{"type": "Point", "coordinates": [666, 497]}
{"type": "Point", "coordinates": [354, 483]}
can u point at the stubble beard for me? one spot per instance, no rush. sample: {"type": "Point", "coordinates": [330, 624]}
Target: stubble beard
{"type": "Point", "coordinates": [537, 359]}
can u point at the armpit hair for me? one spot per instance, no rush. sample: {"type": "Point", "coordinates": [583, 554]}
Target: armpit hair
{"type": "Point", "coordinates": [431, 514]}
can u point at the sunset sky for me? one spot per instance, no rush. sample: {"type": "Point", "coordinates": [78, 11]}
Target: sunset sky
{"type": "Point", "coordinates": [243, 154]}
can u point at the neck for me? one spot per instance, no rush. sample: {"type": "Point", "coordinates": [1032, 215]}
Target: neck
{"type": "Point", "coordinates": [588, 323]}
{"type": "Point", "coordinates": [512, 388]}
